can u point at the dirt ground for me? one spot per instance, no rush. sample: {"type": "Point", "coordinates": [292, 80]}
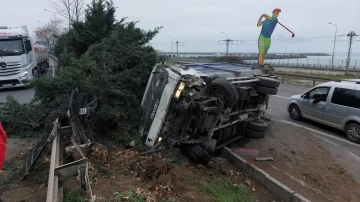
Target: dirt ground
{"type": "Point", "coordinates": [303, 164]}
{"type": "Point", "coordinates": [115, 171]}
{"type": "Point", "coordinates": [12, 188]}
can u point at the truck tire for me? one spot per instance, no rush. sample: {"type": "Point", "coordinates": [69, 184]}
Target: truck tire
{"type": "Point", "coordinates": [224, 90]}
{"type": "Point", "coordinates": [254, 134]}
{"type": "Point", "coordinates": [269, 82]}
{"type": "Point", "coordinates": [197, 154]}
{"type": "Point", "coordinates": [266, 90]}
{"type": "Point", "coordinates": [259, 126]}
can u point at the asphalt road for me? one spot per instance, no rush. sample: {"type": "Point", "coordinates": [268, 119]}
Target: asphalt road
{"type": "Point", "coordinates": [25, 95]}
{"type": "Point", "coordinates": [344, 152]}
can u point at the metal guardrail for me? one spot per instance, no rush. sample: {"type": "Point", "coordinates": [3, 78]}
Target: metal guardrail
{"type": "Point", "coordinates": [59, 138]}
{"type": "Point", "coordinates": [311, 78]}
{"type": "Point", "coordinates": [318, 66]}
{"type": "Point", "coordinates": [342, 67]}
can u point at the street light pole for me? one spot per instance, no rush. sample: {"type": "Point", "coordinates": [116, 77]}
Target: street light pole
{"type": "Point", "coordinates": [172, 45]}
{"type": "Point", "coordinates": [332, 58]}
{"type": "Point", "coordinates": [55, 26]}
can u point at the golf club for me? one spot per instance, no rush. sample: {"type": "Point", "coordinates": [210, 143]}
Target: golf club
{"type": "Point", "coordinates": [293, 34]}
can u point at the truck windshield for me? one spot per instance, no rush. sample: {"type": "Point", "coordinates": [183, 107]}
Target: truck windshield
{"type": "Point", "coordinates": [11, 47]}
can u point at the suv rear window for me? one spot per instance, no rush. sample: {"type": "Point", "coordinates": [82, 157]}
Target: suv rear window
{"type": "Point", "coordinates": [346, 97]}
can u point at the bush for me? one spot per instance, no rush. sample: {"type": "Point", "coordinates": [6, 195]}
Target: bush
{"type": "Point", "coordinates": [116, 70]}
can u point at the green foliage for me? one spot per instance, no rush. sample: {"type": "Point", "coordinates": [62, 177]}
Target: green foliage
{"type": "Point", "coordinates": [73, 196]}
{"type": "Point", "coordinates": [115, 66]}
{"type": "Point", "coordinates": [99, 23]}
{"type": "Point", "coordinates": [22, 120]}
{"type": "Point", "coordinates": [12, 173]}
{"type": "Point", "coordinates": [269, 66]}
{"type": "Point", "coordinates": [117, 70]}
{"type": "Point", "coordinates": [131, 196]}
{"type": "Point", "coordinates": [223, 189]}
{"type": "Point", "coordinates": [227, 59]}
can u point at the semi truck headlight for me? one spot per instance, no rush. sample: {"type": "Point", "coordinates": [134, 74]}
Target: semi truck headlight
{"type": "Point", "coordinates": [179, 90]}
{"type": "Point", "coordinates": [24, 74]}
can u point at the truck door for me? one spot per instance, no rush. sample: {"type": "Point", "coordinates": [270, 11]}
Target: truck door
{"type": "Point", "coordinates": [30, 54]}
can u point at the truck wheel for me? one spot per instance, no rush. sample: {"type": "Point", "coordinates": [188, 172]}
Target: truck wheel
{"type": "Point", "coordinates": [269, 82]}
{"type": "Point", "coordinates": [259, 126]}
{"type": "Point", "coordinates": [224, 90]}
{"type": "Point", "coordinates": [353, 132]}
{"type": "Point", "coordinates": [197, 154]}
{"type": "Point", "coordinates": [254, 134]}
{"type": "Point", "coordinates": [266, 90]}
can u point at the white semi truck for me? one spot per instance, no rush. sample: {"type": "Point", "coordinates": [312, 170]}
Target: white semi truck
{"type": "Point", "coordinates": [20, 59]}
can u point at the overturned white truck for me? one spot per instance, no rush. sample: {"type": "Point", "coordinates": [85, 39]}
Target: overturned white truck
{"type": "Point", "coordinates": [204, 107]}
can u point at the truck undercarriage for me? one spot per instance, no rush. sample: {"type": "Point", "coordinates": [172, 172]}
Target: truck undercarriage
{"type": "Point", "coordinates": [206, 112]}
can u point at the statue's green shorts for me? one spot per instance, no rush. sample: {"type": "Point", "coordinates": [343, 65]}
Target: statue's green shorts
{"type": "Point", "coordinates": [264, 44]}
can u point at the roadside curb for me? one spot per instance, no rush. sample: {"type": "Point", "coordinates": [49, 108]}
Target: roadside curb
{"type": "Point", "coordinates": [277, 188]}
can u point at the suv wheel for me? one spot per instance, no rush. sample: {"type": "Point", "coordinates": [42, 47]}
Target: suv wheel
{"type": "Point", "coordinates": [295, 112]}
{"type": "Point", "coordinates": [353, 132]}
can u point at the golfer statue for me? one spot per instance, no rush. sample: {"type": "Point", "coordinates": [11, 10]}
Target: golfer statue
{"type": "Point", "coordinates": [268, 26]}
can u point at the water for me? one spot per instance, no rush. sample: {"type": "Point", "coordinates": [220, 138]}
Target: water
{"type": "Point", "coordinates": [339, 60]}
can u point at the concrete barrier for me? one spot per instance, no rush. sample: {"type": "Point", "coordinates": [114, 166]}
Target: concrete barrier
{"type": "Point", "coordinates": [274, 186]}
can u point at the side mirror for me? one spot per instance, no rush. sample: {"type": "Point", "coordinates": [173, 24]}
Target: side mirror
{"type": "Point", "coordinates": [305, 96]}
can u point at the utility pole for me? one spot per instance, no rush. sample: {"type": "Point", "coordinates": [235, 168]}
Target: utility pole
{"type": "Point", "coordinates": [227, 42]}
{"type": "Point", "coordinates": [351, 36]}
{"type": "Point", "coordinates": [177, 48]}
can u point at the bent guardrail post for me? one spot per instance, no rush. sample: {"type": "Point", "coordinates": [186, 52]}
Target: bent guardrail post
{"type": "Point", "coordinates": [52, 189]}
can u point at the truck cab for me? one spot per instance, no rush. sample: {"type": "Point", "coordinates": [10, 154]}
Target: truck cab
{"type": "Point", "coordinates": [204, 107]}
{"type": "Point", "coordinates": [18, 61]}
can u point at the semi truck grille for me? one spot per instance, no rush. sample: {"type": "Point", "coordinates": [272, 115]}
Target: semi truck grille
{"type": "Point", "coordinates": [12, 68]}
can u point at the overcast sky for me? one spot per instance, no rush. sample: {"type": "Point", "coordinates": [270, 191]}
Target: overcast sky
{"type": "Point", "coordinates": [199, 23]}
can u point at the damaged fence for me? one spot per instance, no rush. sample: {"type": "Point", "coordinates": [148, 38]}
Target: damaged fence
{"type": "Point", "coordinates": [67, 136]}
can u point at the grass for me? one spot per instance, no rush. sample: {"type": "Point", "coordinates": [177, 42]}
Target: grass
{"type": "Point", "coordinates": [223, 189]}
{"type": "Point", "coordinates": [131, 196]}
{"type": "Point", "coordinates": [13, 173]}
{"type": "Point", "coordinates": [73, 196]}
{"type": "Point", "coordinates": [321, 75]}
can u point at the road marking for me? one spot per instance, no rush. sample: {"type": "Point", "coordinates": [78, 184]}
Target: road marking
{"type": "Point", "coordinates": [304, 184]}
{"type": "Point", "coordinates": [280, 97]}
{"type": "Point", "coordinates": [327, 140]}
{"type": "Point", "coordinates": [321, 133]}
{"type": "Point", "coordinates": [352, 154]}
{"type": "Point", "coordinates": [53, 68]}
